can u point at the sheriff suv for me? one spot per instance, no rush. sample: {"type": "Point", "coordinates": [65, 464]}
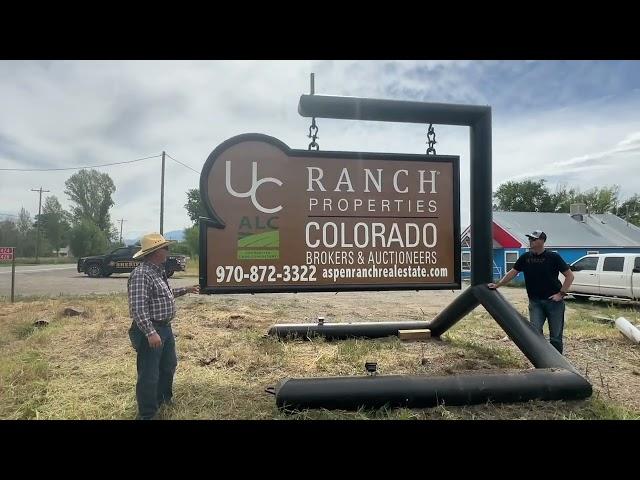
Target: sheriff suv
{"type": "Point", "coordinates": [121, 261]}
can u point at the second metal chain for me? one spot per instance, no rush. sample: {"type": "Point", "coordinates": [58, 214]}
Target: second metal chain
{"type": "Point", "coordinates": [431, 140]}
{"type": "Point", "coordinates": [313, 134]}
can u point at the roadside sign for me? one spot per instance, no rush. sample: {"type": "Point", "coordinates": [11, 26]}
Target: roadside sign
{"type": "Point", "coordinates": [7, 253]}
{"type": "Point", "coordinates": [283, 220]}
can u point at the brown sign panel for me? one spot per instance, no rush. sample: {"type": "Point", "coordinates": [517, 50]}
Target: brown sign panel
{"type": "Point", "coordinates": [284, 220]}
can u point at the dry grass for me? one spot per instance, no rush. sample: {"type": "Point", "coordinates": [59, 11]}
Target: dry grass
{"type": "Point", "coordinates": [84, 368]}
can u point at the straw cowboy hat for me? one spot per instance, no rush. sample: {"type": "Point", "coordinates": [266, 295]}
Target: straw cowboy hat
{"type": "Point", "coordinates": [150, 243]}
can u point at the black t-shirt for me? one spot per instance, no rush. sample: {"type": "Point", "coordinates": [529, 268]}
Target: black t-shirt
{"type": "Point", "coordinates": [541, 273]}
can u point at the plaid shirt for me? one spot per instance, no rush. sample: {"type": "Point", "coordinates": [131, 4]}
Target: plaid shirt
{"type": "Point", "coordinates": [150, 298]}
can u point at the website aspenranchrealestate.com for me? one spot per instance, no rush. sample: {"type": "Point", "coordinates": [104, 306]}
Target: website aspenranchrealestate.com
{"type": "Point", "coordinates": [384, 273]}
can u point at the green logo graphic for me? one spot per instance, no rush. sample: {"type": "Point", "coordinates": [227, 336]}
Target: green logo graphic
{"type": "Point", "coordinates": [260, 246]}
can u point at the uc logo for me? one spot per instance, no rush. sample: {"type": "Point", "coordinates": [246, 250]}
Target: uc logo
{"type": "Point", "coordinates": [255, 183]}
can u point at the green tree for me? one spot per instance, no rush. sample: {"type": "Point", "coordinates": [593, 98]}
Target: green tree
{"type": "Point", "coordinates": [194, 206]}
{"type": "Point", "coordinates": [24, 223]}
{"type": "Point", "coordinates": [192, 239]}
{"type": "Point", "coordinates": [600, 200]}
{"type": "Point", "coordinates": [597, 199]}
{"type": "Point", "coordinates": [114, 236]}
{"type": "Point", "coordinates": [180, 248]}
{"type": "Point", "coordinates": [8, 234]}
{"type": "Point", "coordinates": [562, 199]}
{"type": "Point", "coordinates": [91, 191]}
{"type": "Point", "coordinates": [630, 210]}
{"type": "Point", "coordinates": [86, 238]}
{"type": "Point", "coordinates": [524, 196]}
{"type": "Point", "coordinates": [26, 241]}
{"type": "Point", "coordinates": [54, 223]}
{"type": "Point", "coordinates": [21, 234]}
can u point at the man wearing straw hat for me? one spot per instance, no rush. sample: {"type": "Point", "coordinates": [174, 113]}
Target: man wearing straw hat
{"type": "Point", "coordinates": [152, 306]}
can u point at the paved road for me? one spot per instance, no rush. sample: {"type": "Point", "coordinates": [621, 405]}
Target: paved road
{"type": "Point", "coordinates": [55, 280]}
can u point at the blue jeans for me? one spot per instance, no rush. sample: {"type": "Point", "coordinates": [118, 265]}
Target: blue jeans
{"type": "Point", "coordinates": [156, 367]}
{"type": "Point", "coordinates": [541, 310]}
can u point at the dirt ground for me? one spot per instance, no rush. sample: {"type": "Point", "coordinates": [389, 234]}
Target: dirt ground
{"type": "Point", "coordinates": [84, 367]}
{"type": "Point", "coordinates": [608, 359]}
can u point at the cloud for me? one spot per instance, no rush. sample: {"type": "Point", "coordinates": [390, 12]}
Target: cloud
{"type": "Point", "coordinates": [570, 121]}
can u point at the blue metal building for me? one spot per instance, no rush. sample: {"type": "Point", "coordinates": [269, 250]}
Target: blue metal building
{"type": "Point", "coordinates": [572, 235]}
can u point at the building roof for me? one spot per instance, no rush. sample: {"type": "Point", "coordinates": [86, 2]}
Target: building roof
{"type": "Point", "coordinates": [596, 230]}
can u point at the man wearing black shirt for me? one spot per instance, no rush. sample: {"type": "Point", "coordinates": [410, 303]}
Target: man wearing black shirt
{"type": "Point", "coordinates": [545, 292]}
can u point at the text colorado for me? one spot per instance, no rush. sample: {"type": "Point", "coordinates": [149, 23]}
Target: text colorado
{"type": "Point", "coordinates": [375, 234]}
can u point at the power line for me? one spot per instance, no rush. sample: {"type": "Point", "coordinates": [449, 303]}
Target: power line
{"type": "Point", "coordinates": [184, 165]}
{"type": "Point", "coordinates": [74, 168]}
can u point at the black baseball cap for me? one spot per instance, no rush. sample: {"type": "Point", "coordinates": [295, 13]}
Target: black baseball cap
{"type": "Point", "coordinates": [537, 234]}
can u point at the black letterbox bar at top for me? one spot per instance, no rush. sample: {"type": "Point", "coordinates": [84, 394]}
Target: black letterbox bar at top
{"type": "Point", "coordinates": [327, 106]}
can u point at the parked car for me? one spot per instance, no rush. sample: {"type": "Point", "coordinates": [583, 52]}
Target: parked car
{"type": "Point", "coordinates": [121, 261]}
{"type": "Point", "coordinates": [607, 275]}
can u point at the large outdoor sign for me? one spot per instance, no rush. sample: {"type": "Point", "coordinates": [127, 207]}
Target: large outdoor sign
{"type": "Point", "coordinates": [284, 220]}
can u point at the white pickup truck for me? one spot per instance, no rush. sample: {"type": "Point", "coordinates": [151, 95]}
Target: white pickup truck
{"type": "Point", "coordinates": [606, 275]}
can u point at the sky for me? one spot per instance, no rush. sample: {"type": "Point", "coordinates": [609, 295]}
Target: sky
{"type": "Point", "coordinates": [575, 123]}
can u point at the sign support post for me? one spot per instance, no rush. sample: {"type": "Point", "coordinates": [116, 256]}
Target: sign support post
{"type": "Point", "coordinates": [13, 275]}
{"type": "Point", "coordinates": [8, 253]}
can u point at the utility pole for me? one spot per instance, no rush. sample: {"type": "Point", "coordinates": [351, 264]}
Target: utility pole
{"type": "Point", "coordinates": [38, 224]}
{"type": "Point", "coordinates": [162, 196]}
{"type": "Point", "coordinates": [121, 220]}
{"type": "Point", "coordinates": [627, 216]}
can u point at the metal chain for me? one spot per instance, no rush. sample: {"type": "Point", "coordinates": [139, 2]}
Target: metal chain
{"type": "Point", "coordinates": [314, 135]}
{"type": "Point", "coordinates": [431, 140]}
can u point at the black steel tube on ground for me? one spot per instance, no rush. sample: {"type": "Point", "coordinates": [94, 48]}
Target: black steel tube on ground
{"type": "Point", "coordinates": [535, 347]}
{"type": "Point", "coordinates": [481, 201]}
{"type": "Point", "coordinates": [458, 309]}
{"type": "Point", "coordinates": [351, 393]}
{"type": "Point", "coordinates": [336, 331]}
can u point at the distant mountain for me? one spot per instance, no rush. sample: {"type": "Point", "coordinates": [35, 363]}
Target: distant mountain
{"type": "Point", "coordinates": [177, 235]}
{"type": "Point", "coordinates": [8, 216]}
